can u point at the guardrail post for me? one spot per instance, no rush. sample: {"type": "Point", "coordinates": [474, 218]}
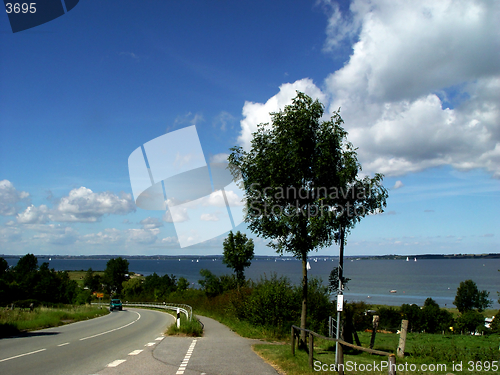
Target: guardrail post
{"type": "Point", "coordinates": [311, 349]}
{"type": "Point", "coordinates": [392, 364]}
{"type": "Point", "coordinates": [293, 341]}
{"type": "Point", "coordinates": [178, 318]}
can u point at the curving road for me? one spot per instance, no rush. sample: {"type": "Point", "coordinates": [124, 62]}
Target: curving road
{"type": "Point", "coordinates": [85, 347]}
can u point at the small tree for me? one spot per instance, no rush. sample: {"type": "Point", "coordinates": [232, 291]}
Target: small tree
{"type": "Point", "coordinates": [469, 297]}
{"type": "Point", "coordinates": [238, 252]}
{"type": "Point", "coordinates": [300, 177]}
{"type": "Point", "coordinates": [114, 274]}
{"type": "Point", "coordinates": [333, 281]}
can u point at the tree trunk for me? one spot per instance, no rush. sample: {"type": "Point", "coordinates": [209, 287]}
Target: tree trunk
{"type": "Point", "coordinates": [303, 315]}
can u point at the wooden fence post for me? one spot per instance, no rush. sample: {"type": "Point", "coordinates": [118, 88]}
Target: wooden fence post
{"type": "Point", "coordinates": [293, 341]}
{"type": "Point", "coordinates": [311, 349]}
{"type": "Point", "coordinates": [376, 319]}
{"type": "Point", "coordinates": [340, 364]}
{"type": "Point", "coordinates": [402, 339]}
{"type": "Point", "coordinates": [392, 364]}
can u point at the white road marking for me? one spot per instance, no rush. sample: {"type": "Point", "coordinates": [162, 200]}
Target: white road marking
{"type": "Point", "coordinates": [66, 343]}
{"type": "Point", "coordinates": [21, 355]}
{"type": "Point", "coordinates": [150, 344]}
{"type": "Point", "coordinates": [182, 367]}
{"type": "Point", "coordinates": [116, 329]}
{"type": "Point", "coordinates": [159, 338]}
{"type": "Point", "coordinates": [116, 363]}
{"type": "Point", "coordinates": [135, 352]}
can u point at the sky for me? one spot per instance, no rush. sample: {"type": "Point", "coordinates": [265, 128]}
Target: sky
{"type": "Point", "coordinates": [418, 85]}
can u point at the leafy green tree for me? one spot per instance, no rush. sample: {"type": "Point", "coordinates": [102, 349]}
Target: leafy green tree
{"type": "Point", "coordinates": [238, 252]}
{"type": "Point", "coordinates": [333, 280]}
{"type": "Point", "coordinates": [92, 281]}
{"type": "Point", "coordinates": [301, 186]}
{"type": "Point", "coordinates": [114, 274]}
{"type": "Point", "coordinates": [182, 284]}
{"type": "Point", "coordinates": [210, 283]}
{"type": "Point", "coordinates": [469, 297]}
{"type": "Point", "coordinates": [26, 265]}
{"type": "Point", "coordinates": [413, 314]}
{"type": "Point", "coordinates": [4, 267]}
{"type": "Point", "coordinates": [132, 288]}
{"type": "Point", "coordinates": [469, 321]}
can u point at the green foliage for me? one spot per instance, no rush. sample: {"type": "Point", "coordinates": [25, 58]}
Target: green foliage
{"type": "Point", "coordinates": [4, 267]}
{"type": "Point", "coordinates": [469, 321]}
{"type": "Point", "coordinates": [333, 280]}
{"type": "Point", "coordinates": [214, 285]}
{"type": "Point", "coordinates": [114, 274]}
{"type": "Point", "coordinates": [495, 324]}
{"type": "Point", "coordinates": [469, 297]}
{"type": "Point", "coordinates": [92, 281]}
{"type": "Point", "coordinates": [301, 184]}
{"type": "Point", "coordinates": [26, 266]}
{"type": "Point", "coordinates": [238, 252]}
{"type": "Point", "coordinates": [182, 284]}
{"type": "Point", "coordinates": [191, 328]}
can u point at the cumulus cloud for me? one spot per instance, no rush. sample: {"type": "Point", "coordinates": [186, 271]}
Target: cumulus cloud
{"type": "Point", "coordinates": [180, 215]}
{"type": "Point", "coordinates": [55, 234]}
{"type": "Point", "coordinates": [420, 89]}
{"type": "Point", "coordinates": [209, 217]}
{"type": "Point", "coordinates": [394, 91]}
{"type": "Point", "coordinates": [10, 197]}
{"type": "Point", "coordinates": [219, 158]}
{"type": "Point", "coordinates": [34, 215]}
{"type": "Point", "coordinates": [258, 113]}
{"type": "Point", "coordinates": [83, 205]}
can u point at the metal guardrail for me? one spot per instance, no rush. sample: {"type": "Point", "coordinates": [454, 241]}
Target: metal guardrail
{"type": "Point", "coordinates": [185, 309]}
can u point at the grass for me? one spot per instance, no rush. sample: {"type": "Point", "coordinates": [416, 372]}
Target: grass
{"type": "Point", "coordinates": [15, 321]}
{"type": "Point", "coordinates": [421, 350]}
{"type": "Point", "coordinates": [192, 328]}
{"type": "Point", "coordinates": [78, 276]}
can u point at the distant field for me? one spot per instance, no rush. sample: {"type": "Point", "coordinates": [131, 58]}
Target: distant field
{"type": "Point", "coordinates": [78, 276]}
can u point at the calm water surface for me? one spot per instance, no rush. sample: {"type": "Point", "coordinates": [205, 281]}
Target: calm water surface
{"type": "Point", "coordinates": [371, 280]}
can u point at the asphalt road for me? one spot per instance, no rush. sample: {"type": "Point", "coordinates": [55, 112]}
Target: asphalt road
{"type": "Point", "coordinates": [85, 347]}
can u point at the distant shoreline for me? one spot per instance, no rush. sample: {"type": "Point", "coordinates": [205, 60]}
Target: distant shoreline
{"type": "Point", "coordinates": [264, 257]}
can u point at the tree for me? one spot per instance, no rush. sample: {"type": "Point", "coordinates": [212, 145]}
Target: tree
{"type": "Point", "coordinates": [300, 179]}
{"type": "Point", "coordinates": [333, 280]}
{"type": "Point", "coordinates": [92, 281]}
{"type": "Point", "coordinates": [4, 267]}
{"type": "Point", "coordinates": [114, 274]}
{"type": "Point", "coordinates": [469, 321]}
{"type": "Point", "coordinates": [26, 265]}
{"type": "Point", "coordinates": [469, 297]}
{"type": "Point", "coordinates": [182, 284]}
{"type": "Point", "coordinates": [238, 252]}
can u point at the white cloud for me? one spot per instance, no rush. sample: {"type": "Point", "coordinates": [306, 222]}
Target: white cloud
{"type": "Point", "coordinates": [83, 205]}
{"type": "Point", "coordinates": [179, 216]}
{"type": "Point", "coordinates": [10, 197]}
{"type": "Point", "coordinates": [398, 185]}
{"type": "Point", "coordinates": [142, 236]}
{"type": "Point", "coordinates": [188, 118]}
{"type": "Point", "coordinates": [420, 89]}
{"type": "Point", "coordinates": [151, 223]}
{"type": "Point", "coordinates": [223, 120]}
{"type": "Point", "coordinates": [34, 215]}
{"type": "Point", "coordinates": [408, 54]}
{"type": "Point", "coordinates": [219, 158]}
{"type": "Point", "coordinates": [55, 234]}
{"type": "Point", "coordinates": [258, 113]}
{"type": "Point", "coordinates": [108, 236]}
{"type": "Point", "coordinates": [209, 217]}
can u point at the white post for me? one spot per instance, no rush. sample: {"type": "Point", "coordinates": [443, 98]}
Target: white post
{"type": "Point", "coordinates": [178, 318]}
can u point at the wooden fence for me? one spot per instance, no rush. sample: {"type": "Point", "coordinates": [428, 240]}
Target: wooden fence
{"type": "Point", "coordinates": [340, 365]}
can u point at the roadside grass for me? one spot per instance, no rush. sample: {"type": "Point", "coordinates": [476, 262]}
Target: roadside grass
{"type": "Point", "coordinates": [15, 321]}
{"type": "Point", "coordinates": [421, 350]}
{"type": "Point", "coordinates": [192, 328]}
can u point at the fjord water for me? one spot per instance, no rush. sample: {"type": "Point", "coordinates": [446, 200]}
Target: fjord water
{"type": "Point", "coordinates": [371, 280]}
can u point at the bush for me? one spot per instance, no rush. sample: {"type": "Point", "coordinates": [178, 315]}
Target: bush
{"type": "Point", "coordinates": [469, 321]}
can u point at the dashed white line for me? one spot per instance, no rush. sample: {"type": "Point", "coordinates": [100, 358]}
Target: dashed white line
{"type": "Point", "coordinates": [184, 363]}
{"type": "Point", "coordinates": [150, 344]}
{"type": "Point", "coordinates": [159, 338]}
{"type": "Point", "coordinates": [112, 330]}
{"type": "Point", "coordinates": [135, 352]}
{"type": "Point", "coordinates": [66, 343]}
{"type": "Point", "coordinates": [21, 355]}
{"type": "Point", "coordinates": [116, 363]}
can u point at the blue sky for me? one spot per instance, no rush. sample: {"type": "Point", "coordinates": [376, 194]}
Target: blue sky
{"type": "Point", "coordinates": [418, 84]}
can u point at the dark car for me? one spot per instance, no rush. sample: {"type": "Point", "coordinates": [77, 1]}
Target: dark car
{"type": "Point", "coordinates": [115, 304]}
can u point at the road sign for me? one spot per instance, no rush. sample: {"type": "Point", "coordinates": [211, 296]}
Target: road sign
{"type": "Point", "coordinates": [100, 295]}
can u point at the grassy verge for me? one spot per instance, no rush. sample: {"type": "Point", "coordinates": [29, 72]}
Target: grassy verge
{"type": "Point", "coordinates": [434, 353]}
{"type": "Point", "coordinates": [187, 327]}
{"type": "Point", "coordinates": [20, 320]}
